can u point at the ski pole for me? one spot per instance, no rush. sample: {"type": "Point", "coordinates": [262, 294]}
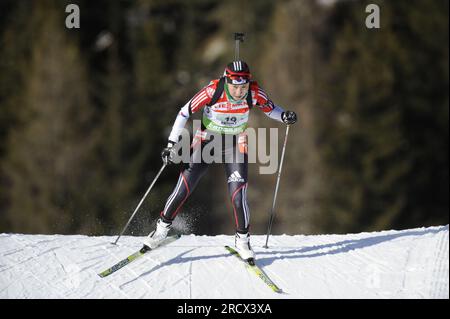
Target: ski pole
{"type": "Point", "coordinates": [142, 200]}
{"type": "Point", "coordinates": [238, 38]}
{"type": "Point", "coordinates": [272, 213]}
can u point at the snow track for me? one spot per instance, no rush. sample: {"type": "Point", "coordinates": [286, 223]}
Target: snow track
{"type": "Point", "coordinates": [410, 263]}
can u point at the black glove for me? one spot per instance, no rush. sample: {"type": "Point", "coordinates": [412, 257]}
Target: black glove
{"type": "Point", "coordinates": [289, 117]}
{"type": "Point", "coordinates": [167, 153]}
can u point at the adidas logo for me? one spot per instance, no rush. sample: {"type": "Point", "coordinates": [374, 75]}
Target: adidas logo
{"type": "Point", "coordinates": [236, 177]}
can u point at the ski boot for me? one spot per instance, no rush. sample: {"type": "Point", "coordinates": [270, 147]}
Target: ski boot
{"type": "Point", "coordinates": [157, 236]}
{"type": "Point", "coordinates": [242, 243]}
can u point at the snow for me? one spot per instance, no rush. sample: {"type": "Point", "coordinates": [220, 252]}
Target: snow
{"type": "Point", "coordinates": [411, 263]}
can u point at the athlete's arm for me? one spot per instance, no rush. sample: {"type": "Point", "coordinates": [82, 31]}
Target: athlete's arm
{"type": "Point", "coordinates": [199, 100]}
{"type": "Point", "coordinates": [266, 105]}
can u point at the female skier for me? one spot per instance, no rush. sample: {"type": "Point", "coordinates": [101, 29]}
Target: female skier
{"type": "Point", "coordinates": [226, 104]}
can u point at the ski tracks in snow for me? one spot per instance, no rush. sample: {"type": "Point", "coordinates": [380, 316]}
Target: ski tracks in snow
{"type": "Point", "coordinates": [440, 275]}
{"type": "Point", "coordinates": [391, 264]}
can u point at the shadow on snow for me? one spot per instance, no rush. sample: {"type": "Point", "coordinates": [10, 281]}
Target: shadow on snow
{"type": "Point", "coordinates": [303, 252]}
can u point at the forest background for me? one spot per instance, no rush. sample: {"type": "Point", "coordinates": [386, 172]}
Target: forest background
{"type": "Point", "coordinates": [85, 113]}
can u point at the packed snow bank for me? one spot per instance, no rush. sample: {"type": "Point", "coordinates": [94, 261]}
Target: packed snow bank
{"type": "Point", "coordinates": [390, 264]}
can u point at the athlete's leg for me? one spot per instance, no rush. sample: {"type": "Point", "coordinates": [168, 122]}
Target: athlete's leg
{"type": "Point", "coordinates": [236, 167]}
{"type": "Point", "coordinates": [186, 184]}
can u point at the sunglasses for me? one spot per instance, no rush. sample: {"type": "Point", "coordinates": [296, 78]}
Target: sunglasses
{"type": "Point", "coordinates": [237, 79]}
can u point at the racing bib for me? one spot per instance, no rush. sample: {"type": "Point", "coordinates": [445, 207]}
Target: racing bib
{"type": "Point", "coordinates": [228, 119]}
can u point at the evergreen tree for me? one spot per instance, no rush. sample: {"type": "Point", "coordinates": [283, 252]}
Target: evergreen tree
{"type": "Point", "coordinates": [383, 129]}
{"type": "Point", "coordinates": [46, 165]}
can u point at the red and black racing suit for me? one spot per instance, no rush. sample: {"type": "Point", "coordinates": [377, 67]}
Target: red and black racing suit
{"type": "Point", "coordinates": [226, 119]}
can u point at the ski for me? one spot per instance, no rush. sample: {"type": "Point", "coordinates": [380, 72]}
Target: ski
{"type": "Point", "coordinates": [252, 267]}
{"type": "Point", "coordinates": [135, 256]}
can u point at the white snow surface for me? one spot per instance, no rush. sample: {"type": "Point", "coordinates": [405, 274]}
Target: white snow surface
{"type": "Point", "coordinates": [411, 263]}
